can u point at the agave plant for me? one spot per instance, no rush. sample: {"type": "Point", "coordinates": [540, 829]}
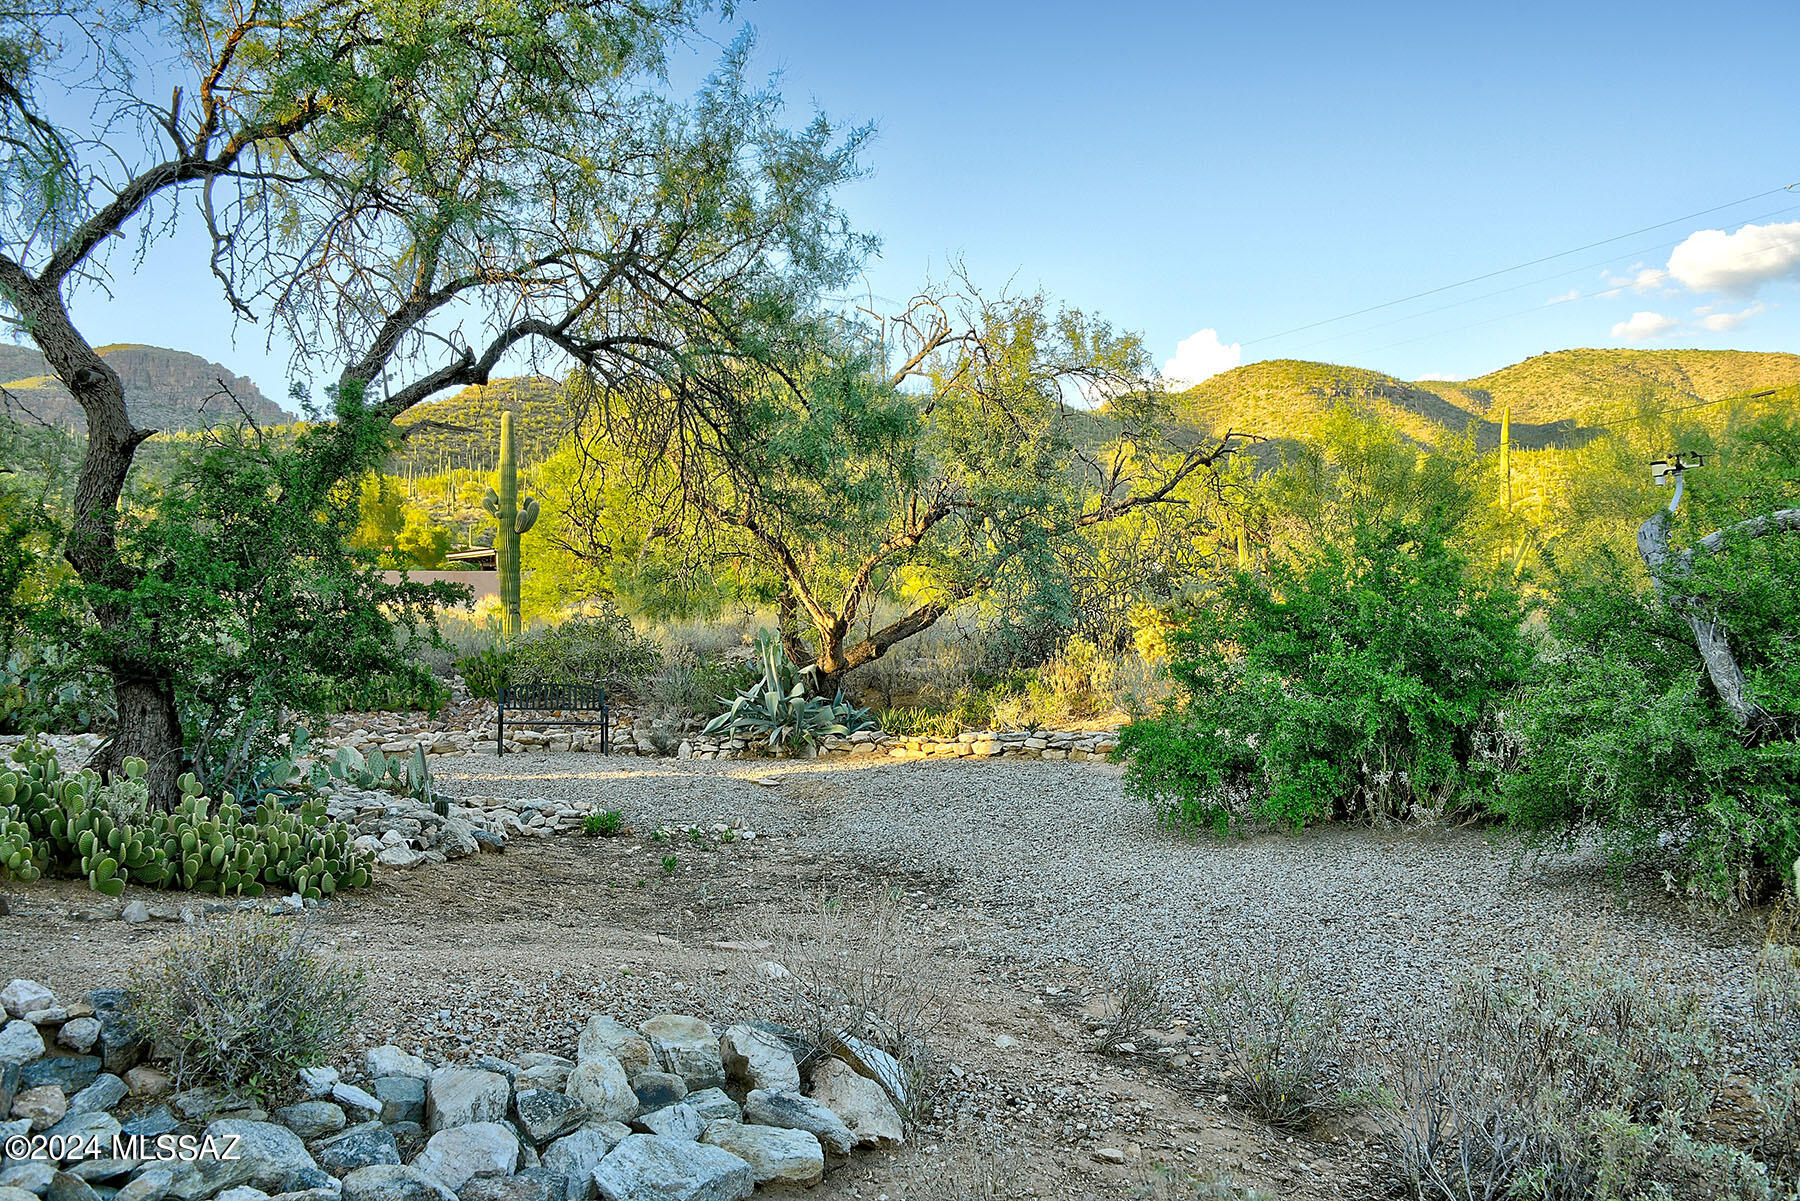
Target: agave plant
{"type": "Point", "coordinates": [777, 709]}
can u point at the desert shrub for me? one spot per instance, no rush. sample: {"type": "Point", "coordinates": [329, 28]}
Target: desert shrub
{"type": "Point", "coordinates": [1136, 991]}
{"type": "Point", "coordinates": [686, 688]}
{"type": "Point", "coordinates": [1620, 734]}
{"type": "Point", "coordinates": [918, 720]}
{"type": "Point", "coordinates": [377, 692]}
{"type": "Point", "coordinates": [855, 973]}
{"type": "Point", "coordinates": [1354, 682]}
{"type": "Point", "coordinates": [603, 825]}
{"type": "Point", "coordinates": [596, 645]}
{"type": "Point", "coordinates": [1281, 1037]}
{"type": "Point", "coordinates": [485, 670]}
{"type": "Point", "coordinates": [1570, 1083]}
{"type": "Point", "coordinates": [243, 1001]}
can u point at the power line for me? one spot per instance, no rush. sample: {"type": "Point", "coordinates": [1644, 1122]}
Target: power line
{"type": "Point", "coordinates": [1474, 279]}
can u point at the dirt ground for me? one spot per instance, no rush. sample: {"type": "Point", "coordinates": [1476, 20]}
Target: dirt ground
{"type": "Point", "coordinates": [507, 953]}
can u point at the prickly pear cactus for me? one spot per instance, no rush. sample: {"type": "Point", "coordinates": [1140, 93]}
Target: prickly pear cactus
{"type": "Point", "coordinates": [74, 825]}
{"type": "Point", "coordinates": [511, 519]}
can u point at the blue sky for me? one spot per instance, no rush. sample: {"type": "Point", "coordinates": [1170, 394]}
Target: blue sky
{"type": "Point", "coordinates": [1253, 168]}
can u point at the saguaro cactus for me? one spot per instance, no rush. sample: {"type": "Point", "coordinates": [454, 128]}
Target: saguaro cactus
{"type": "Point", "coordinates": [512, 519]}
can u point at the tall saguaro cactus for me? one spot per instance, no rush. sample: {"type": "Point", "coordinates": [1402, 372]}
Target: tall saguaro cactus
{"type": "Point", "coordinates": [512, 519]}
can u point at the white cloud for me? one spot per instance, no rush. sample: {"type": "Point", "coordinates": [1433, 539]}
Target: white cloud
{"type": "Point", "coordinates": [1644, 280]}
{"type": "Point", "coordinates": [1643, 326]}
{"type": "Point", "coordinates": [1720, 322]}
{"type": "Point", "coordinates": [1712, 260]}
{"type": "Point", "coordinates": [1565, 298]}
{"type": "Point", "coordinates": [1201, 356]}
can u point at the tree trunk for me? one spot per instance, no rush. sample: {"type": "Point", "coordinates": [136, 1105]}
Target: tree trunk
{"type": "Point", "coordinates": [1710, 636]}
{"type": "Point", "coordinates": [145, 695]}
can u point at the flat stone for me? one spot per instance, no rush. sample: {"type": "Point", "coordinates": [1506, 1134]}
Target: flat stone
{"type": "Point", "coordinates": [529, 1184]}
{"type": "Point", "coordinates": [64, 1187]}
{"type": "Point", "coordinates": [27, 1175]}
{"type": "Point", "coordinates": [311, 1119]}
{"type": "Point", "coordinates": [758, 1059]}
{"type": "Point", "coordinates": [673, 1121]}
{"type": "Point", "coordinates": [43, 1106]}
{"type": "Point", "coordinates": [392, 1061]}
{"type": "Point", "coordinates": [604, 1036]}
{"type": "Point", "coordinates": [353, 1098]}
{"type": "Point", "coordinates": [713, 1103]}
{"type": "Point", "coordinates": [136, 913]}
{"type": "Point", "coordinates": [84, 1129]}
{"type": "Point", "coordinates": [317, 1081]}
{"type": "Point", "coordinates": [546, 1115]}
{"type": "Point", "coordinates": [646, 1167]}
{"type": "Point", "coordinates": [873, 1062]}
{"type": "Point", "coordinates": [575, 1156]}
{"type": "Point", "coordinates": [79, 1034]}
{"type": "Point", "coordinates": [151, 1123]}
{"type": "Point", "coordinates": [242, 1192]}
{"type": "Point", "coordinates": [106, 1091]}
{"type": "Point", "coordinates": [686, 1047]}
{"type": "Point", "coordinates": [861, 1102]}
{"type": "Point", "coordinates": [393, 1182]}
{"type": "Point", "coordinates": [71, 1073]}
{"type": "Point", "coordinates": [266, 1156]}
{"type": "Point", "coordinates": [198, 1103]}
{"type": "Point", "coordinates": [21, 997]}
{"type": "Point", "coordinates": [774, 1155]}
{"type": "Point", "coordinates": [108, 1168]}
{"type": "Point", "coordinates": [599, 1083]}
{"type": "Point", "coordinates": [362, 1146]}
{"type": "Point", "coordinates": [149, 1185]}
{"type": "Point", "coordinates": [121, 1043]}
{"type": "Point", "coordinates": [334, 1193]}
{"type": "Point", "coordinates": [791, 1111]}
{"type": "Point", "coordinates": [402, 1098]}
{"type": "Point", "coordinates": [458, 1096]}
{"type": "Point", "coordinates": [9, 1193]}
{"type": "Point", "coordinates": [657, 1089]}
{"type": "Point", "coordinates": [462, 1153]}
{"type": "Point", "coordinates": [20, 1041]}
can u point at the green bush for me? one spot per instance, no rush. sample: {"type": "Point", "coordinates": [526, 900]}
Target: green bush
{"type": "Point", "coordinates": [1619, 732]}
{"type": "Point", "coordinates": [1356, 682]}
{"type": "Point", "coordinates": [244, 1002]}
{"type": "Point", "coordinates": [598, 646]}
{"type": "Point", "coordinates": [378, 692]}
{"type": "Point", "coordinates": [603, 825]}
{"type": "Point", "coordinates": [485, 670]}
{"type": "Point", "coordinates": [108, 834]}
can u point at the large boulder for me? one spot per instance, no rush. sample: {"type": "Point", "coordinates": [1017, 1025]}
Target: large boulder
{"type": "Point", "coordinates": [860, 1101]}
{"type": "Point", "coordinates": [402, 1098]}
{"type": "Point", "coordinates": [599, 1083]}
{"type": "Point", "coordinates": [71, 1073]}
{"type": "Point", "coordinates": [459, 1096]}
{"type": "Point", "coordinates": [646, 1167]}
{"type": "Point", "coordinates": [530, 1184]}
{"type": "Point", "coordinates": [774, 1155]}
{"type": "Point", "coordinates": [673, 1121]}
{"type": "Point", "coordinates": [105, 1092]}
{"type": "Point", "coordinates": [546, 1115]}
{"type": "Point", "coordinates": [716, 1104]}
{"type": "Point", "coordinates": [758, 1059]}
{"type": "Point", "coordinates": [261, 1154]}
{"type": "Point", "coordinates": [461, 1154]}
{"type": "Point", "coordinates": [686, 1047]}
{"type": "Point", "coordinates": [574, 1157]}
{"type": "Point", "coordinates": [393, 1182]}
{"type": "Point", "coordinates": [149, 1185]}
{"type": "Point", "coordinates": [311, 1119]}
{"type": "Point", "coordinates": [43, 1106]}
{"type": "Point", "coordinates": [657, 1089]}
{"type": "Point", "coordinates": [121, 1042]}
{"type": "Point", "coordinates": [603, 1036]}
{"type": "Point", "coordinates": [791, 1111]}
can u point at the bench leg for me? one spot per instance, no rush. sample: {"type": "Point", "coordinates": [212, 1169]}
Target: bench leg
{"type": "Point", "coordinates": [500, 733]}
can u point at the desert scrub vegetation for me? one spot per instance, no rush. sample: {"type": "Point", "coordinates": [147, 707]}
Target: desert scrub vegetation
{"type": "Point", "coordinates": [1586, 1082]}
{"type": "Point", "coordinates": [244, 1001]}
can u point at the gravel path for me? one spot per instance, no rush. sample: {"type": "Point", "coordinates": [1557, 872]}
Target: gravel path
{"type": "Point", "coordinates": [1065, 869]}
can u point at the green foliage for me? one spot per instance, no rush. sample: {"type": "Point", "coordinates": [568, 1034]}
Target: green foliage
{"type": "Point", "coordinates": [1355, 684]}
{"type": "Point", "coordinates": [244, 1002]}
{"type": "Point", "coordinates": [485, 670]}
{"type": "Point", "coordinates": [603, 825]}
{"type": "Point", "coordinates": [375, 693]}
{"type": "Point", "coordinates": [1619, 732]}
{"type": "Point", "coordinates": [408, 775]}
{"type": "Point", "coordinates": [109, 835]}
{"type": "Point", "coordinates": [776, 709]}
{"type": "Point", "coordinates": [596, 645]}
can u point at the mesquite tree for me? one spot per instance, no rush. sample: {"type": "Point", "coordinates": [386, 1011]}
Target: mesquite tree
{"type": "Point", "coordinates": [413, 193]}
{"type": "Point", "coordinates": [927, 454]}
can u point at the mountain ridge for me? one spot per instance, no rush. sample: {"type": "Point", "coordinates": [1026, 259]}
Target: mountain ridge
{"type": "Point", "coordinates": [165, 389]}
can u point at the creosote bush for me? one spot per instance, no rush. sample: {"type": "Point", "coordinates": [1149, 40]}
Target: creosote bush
{"type": "Point", "coordinates": [243, 1001]}
{"type": "Point", "coordinates": [1136, 988]}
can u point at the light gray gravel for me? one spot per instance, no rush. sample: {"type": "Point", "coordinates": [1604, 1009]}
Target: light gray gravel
{"type": "Point", "coordinates": [1066, 869]}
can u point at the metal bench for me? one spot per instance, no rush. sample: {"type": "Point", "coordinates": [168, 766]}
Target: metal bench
{"type": "Point", "coordinates": [554, 700]}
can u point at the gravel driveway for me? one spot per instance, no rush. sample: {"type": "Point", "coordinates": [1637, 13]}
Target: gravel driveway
{"type": "Point", "coordinates": [1066, 869]}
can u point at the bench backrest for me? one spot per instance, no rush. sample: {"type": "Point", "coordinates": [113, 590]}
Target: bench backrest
{"type": "Point", "coordinates": [553, 696]}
